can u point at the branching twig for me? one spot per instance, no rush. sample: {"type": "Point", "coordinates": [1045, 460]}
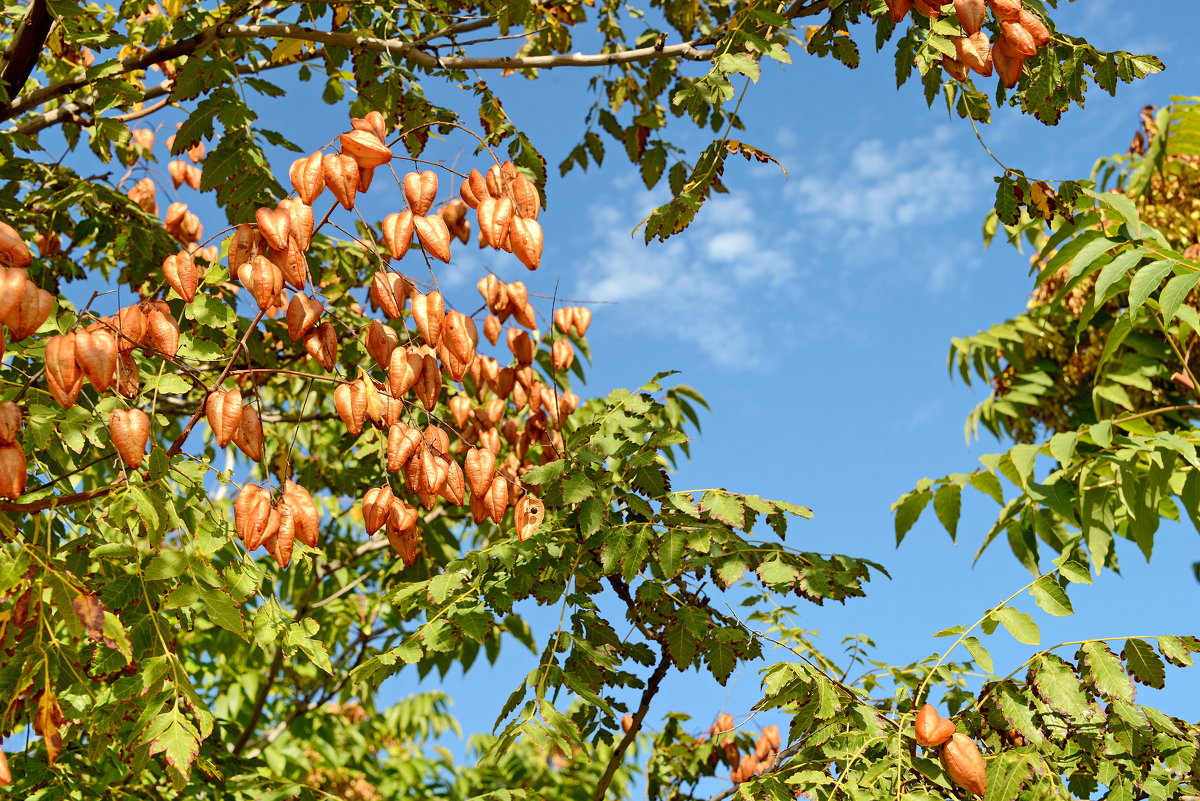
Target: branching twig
{"type": "Point", "coordinates": [618, 754]}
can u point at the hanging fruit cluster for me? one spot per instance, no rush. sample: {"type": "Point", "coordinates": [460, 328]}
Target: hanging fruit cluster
{"type": "Point", "coordinates": [1021, 35]}
{"type": "Point", "coordinates": [505, 418]}
{"type": "Point", "coordinates": [959, 755]}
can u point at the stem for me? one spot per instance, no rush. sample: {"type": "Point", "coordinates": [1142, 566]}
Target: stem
{"type": "Point", "coordinates": [648, 694]}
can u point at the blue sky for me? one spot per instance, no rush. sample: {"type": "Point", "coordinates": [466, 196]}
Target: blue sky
{"type": "Point", "coordinates": [815, 312]}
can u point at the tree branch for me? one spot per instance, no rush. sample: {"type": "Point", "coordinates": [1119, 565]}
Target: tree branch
{"type": "Point", "coordinates": [23, 56]}
{"type": "Point", "coordinates": [411, 51]}
{"type": "Point", "coordinates": [648, 694]}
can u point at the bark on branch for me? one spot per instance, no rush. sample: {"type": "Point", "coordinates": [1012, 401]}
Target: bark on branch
{"type": "Point", "coordinates": [648, 694]}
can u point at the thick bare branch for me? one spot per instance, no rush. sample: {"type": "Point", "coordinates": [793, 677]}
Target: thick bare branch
{"type": "Point", "coordinates": [618, 754]}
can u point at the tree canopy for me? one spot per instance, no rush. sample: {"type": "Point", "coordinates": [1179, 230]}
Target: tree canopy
{"type": "Point", "coordinates": [296, 381]}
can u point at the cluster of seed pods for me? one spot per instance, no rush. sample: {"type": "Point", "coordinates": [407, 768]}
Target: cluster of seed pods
{"type": "Point", "coordinates": [744, 767]}
{"type": "Point", "coordinates": [1022, 34]}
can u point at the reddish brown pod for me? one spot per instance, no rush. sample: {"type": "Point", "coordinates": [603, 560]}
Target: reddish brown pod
{"type": "Point", "coordinates": [306, 519]}
{"type": "Point", "coordinates": [341, 176]}
{"type": "Point", "coordinates": [970, 13]}
{"type": "Point", "coordinates": [223, 410]}
{"type": "Point", "coordinates": [63, 376]}
{"type": "Point", "coordinates": [366, 148]}
{"type": "Point", "coordinates": [899, 9]}
{"type": "Point", "coordinates": [932, 729]}
{"type": "Point", "coordinates": [376, 505]}
{"type": "Point", "coordinates": [10, 422]}
{"type": "Point", "coordinates": [321, 344]}
{"type": "Point", "coordinates": [130, 431]}
{"type": "Point", "coordinates": [13, 250]}
{"type": "Point", "coordinates": [181, 274]}
{"type": "Point", "coordinates": [96, 355]}
{"type": "Point", "coordinates": [1006, 9]}
{"type": "Point", "coordinates": [32, 309]}
{"type": "Point", "coordinates": [528, 515]}
{"type": "Point", "coordinates": [964, 764]}
{"type": "Point", "coordinates": [308, 177]}
{"type": "Point", "coordinates": [13, 471]}
{"type": "Point", "coordinates": [420, 190]}
{"type": "Point", "coordinates": [928, 8]}
{"type": "Point", "coordinates": [975, 52]}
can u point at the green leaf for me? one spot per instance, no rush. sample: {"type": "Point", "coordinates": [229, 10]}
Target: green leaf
{"type": "Point", "coordinates": [173, 736]}
{"type": "Point", "coordinates": [542, 473]}
{"type": "Point", "coordinates": [1143, 663]}
{"type": "Point", "coordinates": [1055, 682]}
{"type": "Point", "coordinates": [303, 635]}
{"type": "Point", "coordinates": [947, 504]}
{"type": "Point", "coordinates": [1006, 775]}
{"type": "Point", "coordinates": [1103, 672]}
{"type": "Point", "coordinates": [221, 609]}
{"type": "Point", "coordinates": [1145, 281]}
{"type": "Point", "coordinates": [1051, 597]}
{"type": "Point", "coordinates": [1073, 571]}
{"type": "Point", "coordinates": [1174, 293]}
{"type": "Point", "coordinates": [670, 552]}
{"type": "Point", "coordinates": [908, 509]}
{"type": "Point", "coordinates": [1018, 624]}
{"type": "Point", "coordinates": [577, 487]}
{"type": "Point", "coordinates": [978, 653]}
{"type": "Point", "coordinates": [723, 506]}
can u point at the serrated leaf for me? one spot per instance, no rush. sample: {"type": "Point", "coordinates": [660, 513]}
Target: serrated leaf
{"type": "Point", "coordinates": [221, 609]}
{"type": "Point", "coordinates": [723, 506]}
{"type": "Point", "coordinates": [1143, 664]}
{"type": "Point", "coordinates": [1055, 682]}
{"type": "Point", "coordinates": [1103, 672]}
{"type": "Point", "coordinates": [577, 487]}
{"type": "Point", "coordinates": [947, 504]}
{"type": "Point", "coordinates": [979, 653]}
{"type": "Point", "coordinates": [1051, 597]}
{"type": "Point", "coordinates": [1018, 624]}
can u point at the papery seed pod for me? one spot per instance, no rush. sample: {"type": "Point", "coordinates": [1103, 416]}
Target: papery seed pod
{"type": "Point", "coordinates": [928, 8]}
{"type": "Point", "coordinates": [436, 438]}
{"type": "Point", "coordinates": [1036, 28]}
{"type": "Point", "coordinates": [931, 728]}
{"type": "Point", "coordinates": [529, 512]}
{"type": "Point", "coordinates": [490, 440]}
{"type": "Point", "coordinates": [528, 202]}
{"type": "Point", "coordinates": [10, 422]}
{"type": "Point", "coordinates": [402, 443]}
{"type": "Point", "coordinates": [372, 122]}
{"type": "Point", "coordinates": [196, 152]}
{"type": "Point", "coordinates": [129, 430]}
{"type": "Point", "coordinates": [1017, 39]}
{"type": "Point", "coordinates": [1006, 10]}
{"type": "Point", "coordinates": [467, 192]}
{"type": "Point", "coordinates": [964, 764]}
{"type": "Point", "coordinates": [264, 280]}
{"type": "Point", "coordinates": [582, 320]}
{"type": "Point", "coordinates": [521, 345]}
{"type": "Point", "coordinates": [525, 315]}
{"type": "Point", "coordinates": [899, 9]}
{"type": "Point", "coordinates": [499, 221]}
{"type": "Point", "coordinates": [381, 341]}
{"type": "Point", "coordinates": [429, 384]}
{"type": "Point", "coordinates": [341, 176]}
{"type": "Point", "coordinates": [305, 517]}
{"type": "Point", "coordinates": [526, 239]}
{"type": "Point", "coordinates": [955, 68]}
{"type": "Point", "coordinates": [433, 472]}
{"type": "Point", "coordinates": [143, 137]}
{"type": "Point", "coordinates": [460, 409]}
{"type": "Point", "coordinates": [460, 335]}
{"type": "Point", "coordinates": [404, 370]}
{"type": "Point", "coordinates": [282, 546]}
{"type": "Point", "coordinates": [420, 190]}
{"type": "Point", "coordinates": [129, 327]}
{"type": "Point", "coordinates": [178, 171]}
{"type": "Point", "coordinates": [181, 274]}
{"type": "Point", "coordinates": [494, 293]}
{"type": "Point", "coordinates": [192, 176]}
{"type": "Point", "coordinates": [128, 382]}
{"type": "Point", "coordinates": [497, 499]}
{"type": "Point", "coordinates": [428, 312]}
{"type": "Point", "coordinates": [248, 436]}
{"type": "Point", "coordinates": [292, 265]}
{"type": "Point", "coordinates": [492, 328]}
{"type": "Point", "coordinates": [300, 221]}
{"type": "Point", "coordinates": [480, 468]}
{"type": "Point", "coordinates": [350, 400]}
{"type": "Point", "coordinates": [365, 174]}
{"type": "Point", "coordinates": [392, 407]}
{"type": "Point", "coordinates": [303, 313]}
{"type": "Point", "coordinates": [434, 236]}
{"type": "Point", "coordinates": [772, 736]}
{"type": "Point", "coordinates": [48, 244]}
{"type": "Point", "coordinates": [245, 243]}
{"type": "Point", "coordinates": [402, 532]}
{"type": "Point", "coordinates": [562, 355]}
{"type": "Point", "coordinates": [398, 233]}
{"type": "Point", "coordinates": [12, 290]}
{"type": "Point", "coordinates": [518, 294]}
{"type": "Point", "coordinates": [366, 149]}
{"type": "Point", "coordinates": [251, 511]}
{"type": "Point", "coordinates": [14, 471]}
{"type": "Point", "coordinates": [13, 250]}
{"type": "Point", "coordinates": [308, 177]}
{"type": "Point", "coordinates": [479, 187]}
{"type": "Point", "coordinates": [63, 376]}
{"type": "Point", "coordinates": [453, 488]}
{"type": "Point", "coordinates": [143, 195]}
{"type": "Point", "coordinates": [971, 14]}
{"type": "Point", "coordinates": [6, 776]}
{"type": "Point", "coordinates": [32, 310]}
{"type": "Point", "coordinates": [96, 355]}
{"type": "Point", "coordinates": [223, 410]}
{"type": "Point", "coordinates": [376, 504]}
{"type": "Point", "coordinates": [496, 185]}
{"type": "Point", "coordinates": [388, 292]}
{"type": "Point", "coordinates": [270, 531]}
{"type": "Point", "coordinates": [479, 509]}
{"type": "Point", "coordinates": [1008, 67]}
{"type": "Point", "coordinates": [454, 214]}
{"type": "Point", "coordinates": [975, 52]}
{"type": "Point", "coordinates": [162, 334]}
{"type": "Point", "coordinates": [564, 319]}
